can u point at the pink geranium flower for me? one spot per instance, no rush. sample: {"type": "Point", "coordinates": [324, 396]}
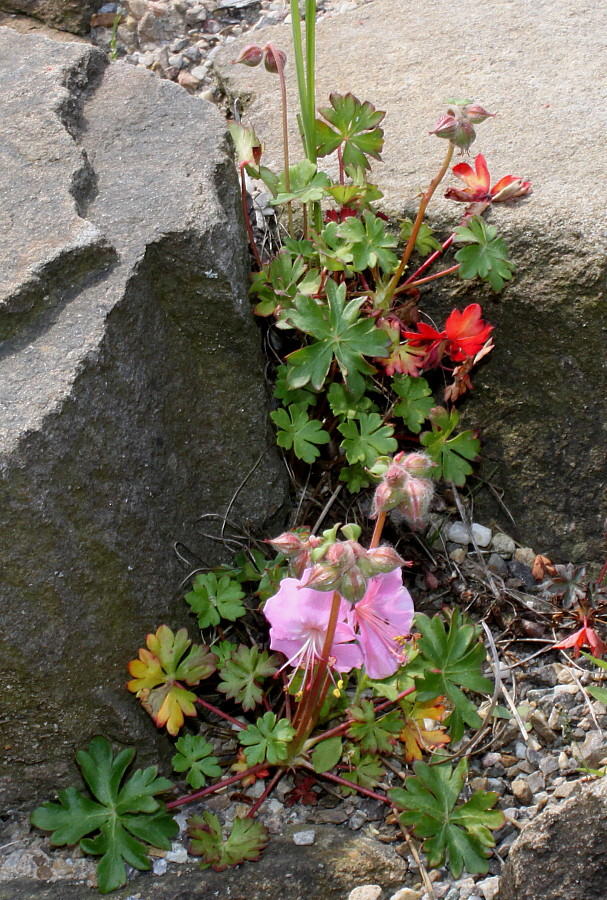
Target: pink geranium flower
{"type": "Point", "coordinates": [299, 618]}
{"type": "Point", "coordinates": [382, 618]}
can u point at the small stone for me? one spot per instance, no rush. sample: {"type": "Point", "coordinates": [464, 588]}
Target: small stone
{"type": "Point", "coordinates": [406, 894]}
{"type": "Point", "coordinates": [520, 750]}
{"type": "Point", "coordinates": [193, 54]}
{"type": "Point", "coordinates": [178, 45]}
{"type": "Point", "coordinates": [177, 854]}
{"type": "Point", "coordinates": [562, 791]}
{"type": "Point", "coordinates": [548, 766]}
{"type": "Point", "coordinates": [176, 61]}
{"type": "Point", "coordinates": [187, 80]}
{"type": "Point", "coordinates": [335, 816]}
{"type": "Point", "coordinates": [366, 892]}
{"type": "Point", "coordinates": [554, 720]}
{"type": "Point", "coordinates": [594, 749]}
{"type": "Point", "coordinates": [199, 72]}
{"type": "Point", "coordinates": [467, 887]}
{"type": "Point", "coordinates": [357, 820]}
{"type": "Point", "coordinates": [503, 544]}
{"type": "Point", "coordinates": [159, 866]}
{"type": "Point", "coordinates": [488, 888]}
{"type": "Point", "coordinates": [536, 782]}
{"type": "Point", "coordinates": [458, 555]}
{"type": "Point", "coordinates": [491, 759]}
{"type": "Point", "coordinates": [275, 806]}
{"type": "Point", "coordinates": [522, 791]}
{"type": "Point", "coordinates": [497, 565]}
{"type": "Point", "coordinates": [459, 533]}
{"type": "Point", "coordinates": [540, 725]}
{"type": "Point", "coordinates": [482, 535]}
{"type": "Point", "coordinates": [525, 555]}
{"type": "Point", "coordinates": [304, 838]}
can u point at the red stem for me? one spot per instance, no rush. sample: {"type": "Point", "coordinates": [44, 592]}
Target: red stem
{"type": "Point", "coordinates": [433, 277]}
{"type": "Point", "coordinates": [213, 788]}
{"type": "Point", "coordinates": [247, 221]}
{"type": "Point", "coordinates": [218, 712]}
{"type": "Point", "coordinates": [340, 729]}
{"type": "Point", "coordinates": [379, 527]}
{"type": "Point", "coordinates": [428, 262]}
{"type": "Point", "coordinates": [350, 784]}
{"type": "Point", "coordinates": [266, 793]}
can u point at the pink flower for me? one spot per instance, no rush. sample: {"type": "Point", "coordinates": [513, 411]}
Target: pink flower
{"type": "Point", "coordinates": [382, 617]}
{"type": "Point", "coordinates": [299, 618]}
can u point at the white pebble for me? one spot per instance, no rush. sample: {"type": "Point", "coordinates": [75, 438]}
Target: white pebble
{"type": "Point", "coordinates": [459, 533]}
{"type": "Point", "coordinates": [366, 892]}
{"type": "Point", "coordinates": [177, 854]}
{"type": "Point", "coordinates": [304, 838]}
{"type": "Point", "coordinates": [159, 866]}
{"type": "Point", "coordinates": [482, 534]}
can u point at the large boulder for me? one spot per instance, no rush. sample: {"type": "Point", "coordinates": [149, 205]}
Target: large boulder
{"type": "Point", "coordinates": [562, 854]}
{"type": "Point", "coordinates": [67, 15]}
{"type": "Point", "coordinates": [540, 400]}
{"type": "Point", "coordinates": [132, 399]}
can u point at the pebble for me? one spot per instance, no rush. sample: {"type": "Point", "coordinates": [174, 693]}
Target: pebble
{"type": "Point", "coordinates": [304, 838]}
{"type": "Point", "coordinates": [458, 555]}
{"type": "Point", "coordinates": [522, 791]}
{"type": "Point", "coordinates": [503, 544]}
{"type": "Point", "coordinates": [489, 887]}
{"type": "Point", "coordinates": [459, 533]}
{"type": "Point", "coordinates": [525, 555]}
{"type": "Point", "coordinates": [406, 894]}
{"type": "Point", "coordinates": [366, 892]}
{"type": "Point", "coordinates": [159, 866]}
{"type": "Point", "coordinates": [177, 854]}
{"type": "Point", "coordinates": [497, 565]}
{"type": "Point", "coordinates": [357, 820]}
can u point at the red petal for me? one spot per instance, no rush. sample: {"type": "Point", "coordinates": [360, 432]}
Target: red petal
{"type": "Point", "coordinates": [476, 179]}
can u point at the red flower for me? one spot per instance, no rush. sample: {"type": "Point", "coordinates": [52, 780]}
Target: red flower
{"type": "Point", "coordinates": [478, 182]}
{"type": "Point", "coordinates": [334, 215]}
{"type": "Point", "coordinates": [585, 637]}
{"type": "Point", "coordinates": [467, 332]}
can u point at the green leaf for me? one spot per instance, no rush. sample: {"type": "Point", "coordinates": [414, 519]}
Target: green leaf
{"type": "Point", "coordinates": [369, 243]}
{"type": "Point", "coordinates": [214, 599]}
{"type": "Point", "coordinates": [366, 770]}
{"type": "Point", "coordinates": [195, 756]}
{"type": "Point", "coordinates": [373, 735]}
{"type": "Point", "coordinates": [460, 833]}
{"type": "Point", "coordinates": [366, 438]}
{"type": "Point", "coordinates": [278, 283]}
{"type": "Point", "coordinates": [485, 255]}
{"type": "Point", "coordinates": [339, 333]}
{"type": "Point", "coordinates": [333, 251]}
{"type": "Point", "coordinates": [415, 403]}
{"type": "Point", "coordinates": [353, 126]}
{"type": "Point", "coordinates": [297, 430]}
{"type": "Point", "coordinates": [246, 841]}
{"type": "Point", "coordinates": [241, 676]}
{"type": "Point", "coordinates": [344, 404]}
{"type": "Point", "coordinates": [356, 478]}
{"type": "Point", "coordinates": [454, 660]}
{"type": "Point", "coordinates": [307, 184]}
{"type": "Point", "coordinates": [599, 693]}
{"type": "Point", "coordinates": [327, 754]}
{"type": "Point", "coordinates": [123, 812]}
{"type": "Point", "coordinates": [424, 242]}
{"type": "Point", "coordinates": [266, 740]}
{"type": "Point", "coordinates": [288, 396]}
{"type": "Point", "coordinates": [451, 454]}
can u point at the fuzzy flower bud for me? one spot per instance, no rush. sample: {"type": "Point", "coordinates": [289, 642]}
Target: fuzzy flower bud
{"type": "Point", "coordinates": [251, 55]}
{"type": "Point", "coordinates": [323, 578]}
{"type": "Point", "coordinates": [272, 56]}
{"type": "Point", "coordinates": [418, 464]}
{"type": "Point", "coordinates": [353, 585]}
{"type": "Point", "coordinates": [289, 544]}
{"type": "Point", "coordinates": [476, 114]}
{"type": "Point", "coordinates": [416, 503]}
{"type": "Point", "coordinates": [380, 560]}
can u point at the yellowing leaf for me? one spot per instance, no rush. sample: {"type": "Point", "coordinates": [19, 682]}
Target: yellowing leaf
{"type": "Point", "coordinates": [416, 736]}
{"type": "Point", "coordinates": [160, 672]}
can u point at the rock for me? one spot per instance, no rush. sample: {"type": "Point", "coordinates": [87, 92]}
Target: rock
{"type": "Point", "coordinates": [522, 791]}
{"type": "Point", "coordinates": [304, 838]}
{"type": "Point", "coordinates": [459, 533]}
{"type": "Point", "coordinates": [594, 749]}
{"type": "Point", "coordinates": [481, 534]}
{"type": "Point", "coordinates": [68, 15]}
{"type": "Point", "coordinates": [540, 725]}
{"type": "Point", "coordinates": [554, 480]}
{"type": "Point", "coordinates": [562, 853]}
{"type": "Point", "coordinates": [525, 555]}
{"type": "Point", "coordinates": [458, 555]}
{"type": "Point", "coordinates": [503, 544]}
{"type": "Point", "coordinates": [131, 392]}
{"type": "Point", "coordinates": [366, 892]}
{"type": "Point", "coordinates": [497, 564]}
{"type": "Point", "coordinates": [488, 887]}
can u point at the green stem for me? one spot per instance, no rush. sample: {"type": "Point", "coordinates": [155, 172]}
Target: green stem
{"type": "Point", "coordinates": [418, 221]}
{"type": "Point", "coordinates": [300, 73]}
{"type": "Point", "coordinates": [311, 76]}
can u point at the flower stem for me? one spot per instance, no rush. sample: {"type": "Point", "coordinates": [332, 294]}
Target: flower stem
{"type": "Point", "coordinates": [418, 222]}
{"type": "Point", "coordinates": [213, 788]}
{"type": "Point", "coordinates": [349, 784]}
{"type": "Point", "coordinates": [433, 277]}
{"type": "Point", "coordinates": [428, 262]}
{"type": "Point", "coordinates": [266, 793]}
{"type": "Point", "coordinates": [377, 531]}
{"type": "Point", "coordinates": [218, 712]}
{"type": "Point", "coordinates": [285, 128]}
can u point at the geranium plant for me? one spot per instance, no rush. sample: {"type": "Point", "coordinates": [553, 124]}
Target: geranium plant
{"type": "Point", "coordinates": [334, 678]}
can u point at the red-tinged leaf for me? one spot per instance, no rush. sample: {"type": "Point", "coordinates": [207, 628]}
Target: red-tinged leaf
{"type": "Point", "coordinates": [160, 672]}
{"type": "Point", "coordinates": [246, 841]}
{"type": "Point", "coordinates": [416, 736]}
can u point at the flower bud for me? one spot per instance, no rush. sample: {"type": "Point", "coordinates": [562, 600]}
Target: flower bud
{"type": "Point", "coordinates": [476, 114]}
{"type": "Point", "coordinates": [353, 585]}
{"type": "Point", "coordinates": [418, 464]}
{"type": "Point", "coordinates": [289, 544]}
{"type": "Point", "coordinates": [380, 560]}
{"type": "Point", "coordinates": [456, 129]}
{"type": "Point", "coordinates": [416, 503]}
{"type": "Point", "coordinates": [323, 578]}
{"type": "Point", "coordinates": [272, 56]}
{"type": "Point", "coordinates": [252, 55]}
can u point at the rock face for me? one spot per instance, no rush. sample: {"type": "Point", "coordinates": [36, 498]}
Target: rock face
{"type": "Point", "coordinates": [68, 15]}
{"type": "Point", "coordinates": [131, 393]}
{"type": "Point", "coordinates": [562, 854]}
{"type": "Point", "coordinates": [540, 399]}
